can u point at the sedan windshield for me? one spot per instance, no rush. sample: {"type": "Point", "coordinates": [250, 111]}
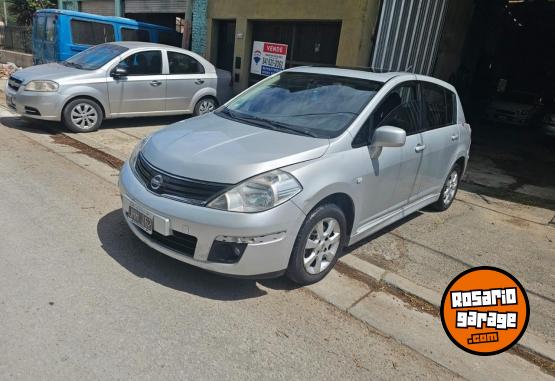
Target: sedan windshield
{"type": "Point", "coordinates": [309, 104]}
{"type": "Point", "coordinates": [95, 57]}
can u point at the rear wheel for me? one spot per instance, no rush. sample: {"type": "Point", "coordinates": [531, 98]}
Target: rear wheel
{"type": "Point", "coordinates": [318, 245]}
{"type": "Point", "coordinates": [82, 115]}
{"type": "Point", "coordinates": [449, 190]}
{"type": "Point", "coordinates": [205, 106]}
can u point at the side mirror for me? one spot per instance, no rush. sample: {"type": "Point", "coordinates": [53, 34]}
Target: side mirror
{"type": "Point", "coordinates": [389, 136]}
{"type": "Point", "coordinates": [119, 72]}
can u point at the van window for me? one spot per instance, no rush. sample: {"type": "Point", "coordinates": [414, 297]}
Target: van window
{"type": "Point", "coordinates": [184, 64]}
{"type": "Point", "coordinates": [143, 63]}
{"type": "Point", "coordinates": [91, 33]}
{"type": "Point", "coordinates": [128, 34]}
{"type": "Point", "coordinates": [50, 29]}
{"type": "Point", "coordinates": [438, 104]}
{"type": "Point", "coordinates": [40, 23]}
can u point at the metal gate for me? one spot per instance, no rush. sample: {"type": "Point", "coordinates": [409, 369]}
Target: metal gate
{"type": "Point", "coordinates": [408, 35]}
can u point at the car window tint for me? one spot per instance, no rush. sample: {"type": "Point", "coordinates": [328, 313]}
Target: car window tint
{"type": "Point", "coordinates": [128, 34]}
{"type": "Point", "coordinates": [143, 63]}
{"type": "Point", "coordinates": [184, 64]}
{"type": "Point", "coordinates": [91, 33]}
{"type": "Point", "coordinates": [438, 106]}
{"type": "Point", "coordinates": [398, 109]}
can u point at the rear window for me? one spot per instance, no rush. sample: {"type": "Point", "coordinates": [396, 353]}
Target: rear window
{"type": "Point", "coordinates": [128, 34]}
{"type": "Point", "coordinates": [91, 33]}
{"type": "Point", "coordinates": [438, 106]}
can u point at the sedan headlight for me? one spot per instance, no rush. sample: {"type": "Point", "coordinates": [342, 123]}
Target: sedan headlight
{"type": "Point", "coordinates": [136, 151]}
{"type": "Point", "coordinates": [43, 86]}
{"type": "Point", "coordinates": [259, 193]}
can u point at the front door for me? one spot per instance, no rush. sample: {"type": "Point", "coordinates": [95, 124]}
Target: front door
{"type": "Point", "coordinates": [143, 90]}
{"type": "Point", "coordinates": [391, 182]}
{"type": "Point", "coordinates": [439, 135]}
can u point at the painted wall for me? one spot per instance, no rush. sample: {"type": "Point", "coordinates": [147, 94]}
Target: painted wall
{"type": "Point", "coordinates": [358, 19]}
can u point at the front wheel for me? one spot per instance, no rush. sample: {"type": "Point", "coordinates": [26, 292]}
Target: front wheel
{"type": "Point", "coordinates": [449, 190]}
{"type": "Point", "coordinates": [82, 115]}
{"type": "Point", "coordinates": [318, 245]}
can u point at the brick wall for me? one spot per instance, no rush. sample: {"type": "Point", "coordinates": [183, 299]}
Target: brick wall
{"type": "Point", "coordinates": [199, 27]}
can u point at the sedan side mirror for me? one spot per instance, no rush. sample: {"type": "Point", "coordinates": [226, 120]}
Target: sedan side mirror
{"type": "Point", "coordinates": [119, 72]}
{"type": "Point", "coordinates": [389, 136]}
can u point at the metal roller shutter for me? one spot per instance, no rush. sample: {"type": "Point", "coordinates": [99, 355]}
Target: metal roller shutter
{"type": "Point", "coordinates": [99, 7]}
{"type": "Point", "coordinates": [155, 6]}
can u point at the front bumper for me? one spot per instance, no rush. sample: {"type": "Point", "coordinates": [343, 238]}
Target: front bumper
{"type": "Point", "coordinates": [37, 105]}
{"type": "Point", "coordinates": [278, 227]}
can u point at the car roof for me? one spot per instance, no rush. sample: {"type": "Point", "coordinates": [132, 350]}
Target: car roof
{"type": "Point", "coordinates": [141, 44]}
{"type": "Point", "coordinates": [362, 73]}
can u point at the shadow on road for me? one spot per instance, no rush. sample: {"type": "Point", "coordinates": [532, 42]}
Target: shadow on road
{"type": "Point", "coordinates": [30, 125]}
{"type": "Point", "coordinates": [126, 249]}
{"type": "Point", "coordinates": [142, 121]}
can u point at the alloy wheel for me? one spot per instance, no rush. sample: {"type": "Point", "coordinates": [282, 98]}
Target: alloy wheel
{"type": "Point", "coordinates": [84, 116]}
{"type": "Point", "coordinates": [321, 245]}
{"type": "Point", "coordinates": [206, 106]}
{"type": "Point", "coordinates": [451, 185]}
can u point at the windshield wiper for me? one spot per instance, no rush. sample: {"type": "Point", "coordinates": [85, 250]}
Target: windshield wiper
{"type": "Point", "coordinates": [270, 124]}
{"type": "Point", "coordinates": [72, 64]}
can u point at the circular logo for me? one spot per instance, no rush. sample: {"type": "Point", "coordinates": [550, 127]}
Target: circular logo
{"type": "Point", "coordinates": [485, 310]}
{"type": "Point", "coordinates": [156, 182]}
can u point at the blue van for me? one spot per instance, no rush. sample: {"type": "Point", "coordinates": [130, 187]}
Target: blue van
{"type": "Point", "coordinates": [60, 34]}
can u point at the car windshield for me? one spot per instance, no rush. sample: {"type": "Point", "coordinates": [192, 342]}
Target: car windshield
{"type": "Point", "coordinates": [95, 57]}
{"type": "Point", "coordinates": [317, 105]}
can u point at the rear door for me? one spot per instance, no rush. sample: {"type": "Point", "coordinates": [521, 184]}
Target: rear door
{"type": "Point", "coordinates": [440, 136]}
{"type": "Point", "coordinates": [186, 76]}
{"type": "Point", "coordinates": [143, 90]}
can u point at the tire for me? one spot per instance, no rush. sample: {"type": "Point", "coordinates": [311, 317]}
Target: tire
{"type": "Point", "coordinates": [205, 105]}
{"type": "Point", "coordinates": [82, 115]}
{"type": "Point", "coordinates": [449, 190]}
{"type": "Point", "coordinates": [324, 246]}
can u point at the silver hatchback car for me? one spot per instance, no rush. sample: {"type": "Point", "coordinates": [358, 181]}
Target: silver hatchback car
{"type": "Point", "coordinates": [285, 175]}
{"type": "Point", "coordinates": [119, 79]}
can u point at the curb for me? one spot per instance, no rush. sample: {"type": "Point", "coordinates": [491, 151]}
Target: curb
{"type": "Point", "coordinates": [529, 341]}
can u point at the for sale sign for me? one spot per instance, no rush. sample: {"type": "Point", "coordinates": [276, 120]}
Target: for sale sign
{"type": "Point", "coordinates": [268, 58]}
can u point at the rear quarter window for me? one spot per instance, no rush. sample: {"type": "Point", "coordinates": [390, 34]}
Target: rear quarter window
{"type": "Point", "coordinates": [438, 106]}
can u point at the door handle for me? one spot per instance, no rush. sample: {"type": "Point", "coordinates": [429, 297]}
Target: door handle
{"type": "Point", "coordinates": [155, 83]}
{"type": "Point", "coordinates": [199, 81]}
{"type": "Point", "coordinates": [454, 137]}
{"type": "Point", "coordinates": [419, 148]}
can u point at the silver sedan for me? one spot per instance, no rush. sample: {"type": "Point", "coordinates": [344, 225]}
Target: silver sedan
{"type": "Point", "coordinates": [119, 79]}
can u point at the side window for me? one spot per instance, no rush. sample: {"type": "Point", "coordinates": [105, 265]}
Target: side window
{"type": "Point", "coordinates": [40, 24]}
{"type": "Point", "coordinates": [184, 64]}
{"type": "Point", "coordinates": [91, 33]}
{"type": "Point", "coordinates": [143, 63]}
{"type": "Point", "coordinates": [128, 34]}
{"type": "Point", "coordinates": [399, 108]}
{"type": "Point", "coordinates": [438, 106]}
{"type": "Point", "coordinates": [50, 29]}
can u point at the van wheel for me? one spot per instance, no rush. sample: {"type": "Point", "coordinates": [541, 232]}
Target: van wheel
{"type": "Point", "coordinates": [318, 245]}
{"type": "Point", "coordinates": [449, 190]}
{"type": "Point", "coordinates": [82, 115]}
{"type": "Point", "coordinates": [205, 106]}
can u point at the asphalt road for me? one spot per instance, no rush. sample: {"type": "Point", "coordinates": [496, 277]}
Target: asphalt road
{"type": "Point", "coordinates": [81, 298]}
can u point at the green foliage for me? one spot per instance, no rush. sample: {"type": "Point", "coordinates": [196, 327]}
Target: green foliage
{"type": "Point", "coordinates": [23, 10]}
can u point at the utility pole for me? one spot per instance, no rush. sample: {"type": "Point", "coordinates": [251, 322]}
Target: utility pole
{"type": "Point", "coordinates": [187, 24]}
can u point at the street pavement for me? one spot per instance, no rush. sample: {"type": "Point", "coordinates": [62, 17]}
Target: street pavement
{"type": "Point", "coordinates": [116, 291]}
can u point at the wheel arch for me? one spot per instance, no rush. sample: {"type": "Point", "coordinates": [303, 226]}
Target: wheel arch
{"type": "Point", "coordinates": [345, 203]}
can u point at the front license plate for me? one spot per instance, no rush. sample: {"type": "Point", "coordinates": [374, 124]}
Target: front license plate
{"type": "Point", "coordinates": [141, 218]}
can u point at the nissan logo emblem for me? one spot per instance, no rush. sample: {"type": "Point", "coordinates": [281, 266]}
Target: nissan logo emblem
{"type": "Point", "coordinates": [156, 182]}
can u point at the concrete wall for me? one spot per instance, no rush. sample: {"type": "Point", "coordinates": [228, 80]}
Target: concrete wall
{"type": "Point", "coordinates": [20, 59]}
{"type": "Point", "coordinates": [358, 19]}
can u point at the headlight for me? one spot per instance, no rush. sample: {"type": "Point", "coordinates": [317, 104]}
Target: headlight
{"type": "Point", "coordinates": [259, 193]}
{"type": "Point", "coordinates": [44, 86]}
{"type": "Point", "coordinates": [136, 151]}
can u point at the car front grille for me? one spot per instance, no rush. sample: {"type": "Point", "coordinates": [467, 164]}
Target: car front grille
{"type": "Point", "coordinates": [184, 244]}
{"type": "Point", "coordinates": [14, 83]}
{"type": "Point", "coordinates": [187, 190]}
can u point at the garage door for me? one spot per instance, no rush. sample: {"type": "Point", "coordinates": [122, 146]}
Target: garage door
{"type": "Point", "coordinates": [408, 35]}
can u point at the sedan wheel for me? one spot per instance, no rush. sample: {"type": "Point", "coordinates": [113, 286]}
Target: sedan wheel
{"type": "Point", "coordinates": [84, 116]}
{"type": "Point", "coordinates": [321, 246]}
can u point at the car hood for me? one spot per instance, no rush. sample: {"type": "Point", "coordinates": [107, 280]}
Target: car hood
{"type": "Point", "coordinates": [213, 148]}
{"type": "Point", "coordinates": [51, 71]}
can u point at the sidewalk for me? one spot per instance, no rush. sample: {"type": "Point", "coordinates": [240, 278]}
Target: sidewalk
{"type": "Point", "coordinates": [419, 257]}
